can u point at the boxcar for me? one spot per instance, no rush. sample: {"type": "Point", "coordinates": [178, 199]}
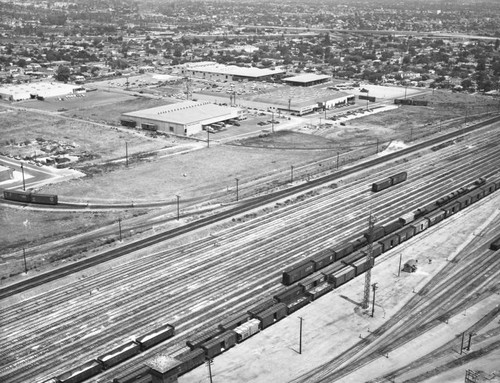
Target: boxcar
{"type": "Point", "coordinates": [119, 354]}
{"type": "Point", "coordinates": [361, 265]}
{"type": "Point", "coordinates": [407, 218]}
{"type": "Point", "coordinates": [219, 344]}
{"type": "Point", "coordinates": [343, 275]}
{"type": "Point", "coordinates": [81, 373]}
{"type": "Point", "coordinates": [156, 336]}
{"type": "Point", "coordinates": [17, 195]}
{"type": "Point", "coordinates": [198, 339]}
{"type": "Point", "coordinates": [476, 195]}
{"type": "Point", "coordinates": [261, 306]}
{"type": "Point", "coordinates": [233, 321]}
{"type": "Point", "coordinates": [391, 227]}
{"type": "Point", "coordinates": [47, 199]}
{"type": "Point", "coordinates": [389, 242]}
{"type": "Point", "coordinates": [398, 178]}
{"type": "Point", "coordinates": [247, 329]}
{"type": "Point", "coordinates": [451, 208]}
{"type": "Point", "coordinates": [405, 233]}
{"type": "Point", "coordinates": [319, 290]}
{"type": "Point", "coordinates": [464, 201]}
{"type": "Point", "coordinates": [323, 259]}
{"type": "Point", "coordinates": [312, 280]}
{"type": "Point", "coordinates": [378, 232]}
{"type": "Point", "coordinates": [435, 217]}
{"type": "Point", "coordinates": [272, 315]}
{"type": "Point", "coordinates": [289, 294]}
{"type": "Point", "coordinates": [295, 273]}
{"type": "Point", "coordinates": [495, 244]}
{"type": "Point", "coordinates": [420, 225]}
{"type": "Point", "coordinates": [381, 185]}
{"type": "Point", "coordinates": [343, 250]}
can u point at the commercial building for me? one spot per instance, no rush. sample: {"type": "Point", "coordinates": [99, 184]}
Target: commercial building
{"type": "Point", "coordinates": [308, 79]}
{"type": "Point", "coordinates": [211, 71]}
{"type": "Point", "coordinates": [183, 118]}
{"type": "Point", "coordinates": [38, 90]}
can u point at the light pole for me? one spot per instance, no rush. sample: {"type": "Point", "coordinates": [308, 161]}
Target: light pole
{"type": "Point", "coordinates": [178, 196]}
{"type": "Point", "coordinates": [120, 227]}
{"type": "Point", "coordinates": [300, 336]}
{"type": "Point", "coordinates": [208, 138]}
{"type": "Point", "coordinates": [25, 265]}
{"type": "Point", "coordinates": [209, 364]}
{"type": "Point", "coordinates": [22, 171]}
{"type": "Point", "coordinates": [126, 154]}
{"type": "Point", "coordinates": [374, 286]}
{"type": "Point", "coordinates": [291, 173]}
{"type": "Point", "coordinates": [237, 180]}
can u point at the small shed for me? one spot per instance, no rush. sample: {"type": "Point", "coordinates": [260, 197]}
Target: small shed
{"type": "Point", "coordinates": [410, 266]}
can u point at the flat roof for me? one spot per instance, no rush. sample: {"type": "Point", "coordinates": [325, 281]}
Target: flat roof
{"type": "Point", "coordinates": [183, 113]}
{"type": "Point", "coordinates": [300, 97]}
{"type": "Point", "coordinates": [308, 77]}
{"type": "Point", "coordinates": [235, 70]}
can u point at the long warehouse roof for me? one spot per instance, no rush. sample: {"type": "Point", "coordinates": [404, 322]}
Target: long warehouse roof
{"type": "Point", "coordinates": [184, 113]}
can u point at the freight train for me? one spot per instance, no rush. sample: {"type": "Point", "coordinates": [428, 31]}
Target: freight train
{"type": "Point", "coordinates": [389, 181]}
{"type": "Point", "coordinates": [29, 197]}
{"type": "Point", "coordinates": [315, 277]}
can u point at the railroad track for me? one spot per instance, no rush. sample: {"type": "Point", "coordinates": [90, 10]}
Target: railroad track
{"type": "Point", "coordinates": [239, 209]}
{"type": "Point", "coordinates": [148, 293]}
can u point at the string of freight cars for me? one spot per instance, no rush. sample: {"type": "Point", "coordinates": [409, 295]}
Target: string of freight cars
{"type": "Point", "coordinates": [331, 267]}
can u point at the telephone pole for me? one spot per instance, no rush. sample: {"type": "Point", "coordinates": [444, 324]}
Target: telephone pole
{"type": "Point", "coordinates": [369, 260]}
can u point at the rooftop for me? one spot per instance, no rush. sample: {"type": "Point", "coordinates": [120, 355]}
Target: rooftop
{"type": "Point", "coordinates": [305, 78]}
{"type": "Point", "coordinates": [185, 113]}
{"type": "Point", "coordinates": [210, 67]}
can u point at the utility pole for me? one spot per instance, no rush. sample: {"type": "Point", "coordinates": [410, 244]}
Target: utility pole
{"type": "Point", "coordinates": [300, 336]}
{"type": "Point", "coordinates": [237, 180]}
{"type": "Point", "coordinates": [25, 265]}
{"type": "Point", "coordinates": [338, 154]}
{"type": "Point", "coordinates": [272, 122]}
{"type": "Point", "coordinates": [126, 153]}
{"type": "Point", "coordinates": [377, 145]}
{"type": "Point", "coordinates": [22, 171]}
{"type": "Point", "coordinates": [209, 364]}
{"type": "Point", "coordinates": [178, 215]}
{"type": "Point", "coordinates": [374, 286]}
{"type": "Point", "coordinates": [400, 259]}
{"type": "Point", "coordinates": [208, 138]}
{"type": "Point", "coordinates": [291, 173]}
{"type": "Point", "coordinates": [369, 260]}
{"type": "Point", "coordinates": [120, 227]}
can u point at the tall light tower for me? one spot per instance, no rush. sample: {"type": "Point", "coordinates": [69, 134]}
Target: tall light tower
{"type": "Point", "coordinates": [189, 92]}
{"type": "Point", "coordinates": [369, 260]}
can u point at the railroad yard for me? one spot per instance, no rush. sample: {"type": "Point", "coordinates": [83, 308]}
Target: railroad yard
{"type": "Point", "coordinates": [196, 285]}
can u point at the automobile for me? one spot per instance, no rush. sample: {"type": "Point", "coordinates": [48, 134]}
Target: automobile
{"type": "Point", "coordinates": [262, 123]}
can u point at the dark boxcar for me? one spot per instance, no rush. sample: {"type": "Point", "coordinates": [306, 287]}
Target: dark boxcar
{"type": "Point", "coordinates": [132, 376]}
{"type": "Point", "coordinates": [497, 185]}
{"type": "Point", "coordinates": [405, 233]}
{"type": "Point", "coordinates": [344, 275]}
{"type": "Point", "coordinates": [464, 201]}
{"type": "Point", "coordinates": [119, 354]}
{"type": "Point", "coordinates": [420, 224]}
{"type": "Point", "coordinates": [202, 337]}
{"type": "Point", "coordinates": [495, 244]}
{"type": "Point", "coordinates": [261, 306]}
{"type": "Point", "coordinates": [407, 218]}
{"type": "Point", "coordinates": [233, 321]}
{"type": "Point", "coordinates": [323, 259]}
{"type": "Point", "coordinates": [312, 280]}
{"type": "Point", "coordinates": [361, 265]}
{"type": "Point", "coordinates": [476, 195]}
{"type": "Point", "coordinates": [376, 249]}
{"type": "Point", "coordinates": [435, 217]}
{"type": "Point", "coordinates": [219, 344]}
{"type": "Point", "coordinates": [297, 304]}
{"type": "Point", "coordinates": [81, 373]}
{"type": "Point", "coordinates": [329, 271]}
{"type": "Point", "coordinates": [295, 273]}
{"type": "Point", "coordinates": [451, 208]}
{"type": "Point", "coordinates": [47, 199]}
{"type": "Point", "coordinates": [381, 185]}
{"type": "Point", "coordinates": [359, 242]}
{"type": "Point", "coordinates": [17, 195]}
{"type": "Point", "coordinates": [272, 315]}
{"type": "Point", "coordinates": [378, 232]}
{"type": "Point", "coordinates": [391, 227]}
{"type": "Point", "coordinates": [425, 209]}
{"type": "Point", "coordinates": [156, 336]}
{"type": "Point", "coordinates": [343, 250]}
{"type": "Point", "coordinates": [190, 360]}
{"type": "Point", "coordinates": [351, 258]}
{"type": "Point", "coordinates": [398, 178]}
{"type": "Point", "coordinates": [489, 188]}
{"type": "Point", "coordinates": [319, 291]}
{"type": "Point", "coordinates": [289, 294]}
{"type": "Point", "coordinates": [389, 242]}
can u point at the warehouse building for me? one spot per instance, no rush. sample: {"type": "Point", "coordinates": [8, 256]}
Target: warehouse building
{"type": "Point", "coordinates": [308, 79]}
{"type": "Point", "coordinates": [38, 90]}
{"type": "Point", "coordinates": [211, 71]}
{"type": "Point", "coordinates": [183, 118]}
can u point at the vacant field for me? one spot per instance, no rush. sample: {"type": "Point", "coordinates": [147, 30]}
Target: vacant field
{"type": "Point", "coordinates": [21, 128]}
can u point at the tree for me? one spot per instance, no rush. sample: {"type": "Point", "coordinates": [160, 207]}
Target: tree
{"type": "Point", "coordinates": [63, 73]}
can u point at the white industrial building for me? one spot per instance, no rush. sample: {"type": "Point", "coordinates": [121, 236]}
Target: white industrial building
{"type": "Point", "coordinates": [212, 71]}
{"type": "Point", "coordinates": [39, 90]}
{"type": "Point", "coordinates": [183, 118]}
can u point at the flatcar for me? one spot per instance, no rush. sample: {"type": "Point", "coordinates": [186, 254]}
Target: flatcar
{"type": "Point", "coordinates": [156, 336]}
{"type": "Point", "coordinates": [81, 373]}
